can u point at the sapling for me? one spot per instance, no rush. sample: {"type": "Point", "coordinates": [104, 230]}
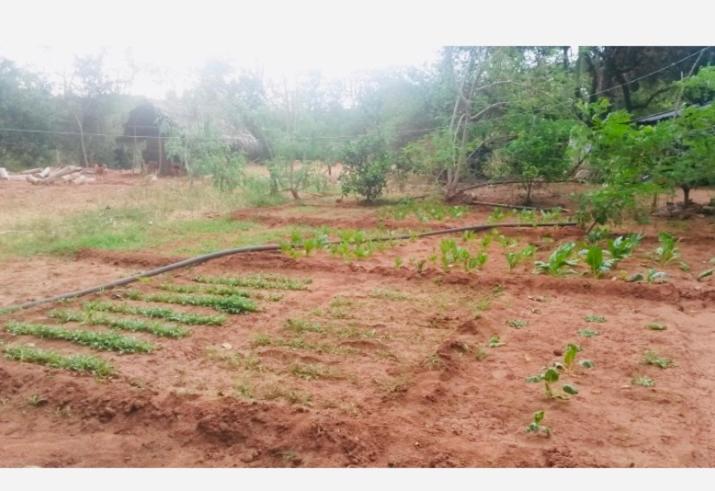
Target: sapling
{"type": "Point", "coordinates": [536, 427]}
{"type": "Point", "coordinates": [570, 354]}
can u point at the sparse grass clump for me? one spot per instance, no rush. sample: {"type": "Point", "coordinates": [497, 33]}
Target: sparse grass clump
{"type": "Point", "coordinates": [231, 305]}
{"type": "Point", "coordinates": [136, 325]}
{"type": "Point", "coordinates": [157, 313]}
{"type": "Point", "coordinates": [299, 326]}
{"type": "Point", "coordinates": [595, 318]}
{"type": "Point", "coordinates": [588, 333]}
{"type": "Point", "coordinates": [107, 341]}
{"type": "Point", "coordinates": [388, 294]}
{"type": "Point", "coordinates": [259, 281]}
{"type": "Point", "coordinates": [75, 363]}
{"type": "Point", "coordinates": [311, 372]}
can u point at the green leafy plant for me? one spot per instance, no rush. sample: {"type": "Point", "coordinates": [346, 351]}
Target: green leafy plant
{"type": "Point", "coordinates": [230, 305]}
{"type": "Point", "coordinates": [623, 246]}
{"type": "Point", "coordinates": [558, 260]}
{"type": "Point", "coordinates": [495, 342]}
{"type": "Point", "coordinates": [652, 358]}
{"type": "Point", "coordinates": [536, 427]}
{"type": "Point", "coordinates": [586, 363]}
{"type": "Point", "coordinates": [596, 262]}
{"type": "Point", "coordinates": [259, 281]}
{"type": "Point", "coordinates": [570, 354]}
{"type": "Point", "coordinates": [96, 340]}
{"type": "Point", "coordinates": [210, 290]}
{"type": "Point", "coordinates": [513, 259]}
{"type": "Point", "coordinates": [137, 325]}
{"type": "Point", "coordinates": [595, 318]}
{"type": "Point", "coordinates": [653, 276]}
{"type": "Point", "coordinates": [643, 381]}
{"type": "Point", "coordinates": [667, 251]}
{"type": "Point", "coordinates": [157, 313]}
{"type": "Point", "coordinates": [75, 363]}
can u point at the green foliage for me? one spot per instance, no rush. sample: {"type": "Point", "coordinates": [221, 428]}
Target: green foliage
{"type": "Point", "coordinates": [652, 358]}
{"type": "Point", "coordinates": [366, 167]}
{"type": "Point", "coordinates": [75, 363]}
{"type": "Point", "coordinates": [587, 333]}
{"type": "Point", "coordinates": [452, 254]}
{"type": "Point", "coordinates": [96, 340]}
{"type": "Point", "coordinates": [536, 427]}
{"type": "Point", "coordinates": [656, 326]}
{"type": "Point", "coordinates": [513, 259]}
{"type": "Point", "coordinates": [586, 363]}
{"type": "Point", "coordinates": [595, 318]}
{"type": "Point", "coordinates": [570, 354]}
{"type": "Point", "coordinates": [423, 210]}
{"type": "Point", "coordinates": [623, 246]}
{"type": "Point", "coordinates": [558, 260]}
{"type": "Point", "coordinates": [232, 305]}
{"type": "Point", "coordinates": [137, 325]}
{"type": "Point", "coordinates": [643, 381]}
{"type": "Point", "coordinates": [495, 342]}
{"type": "Point", "coordinates": [596, 262]}
{"type": "Point", "coordinates": [211, 290]}
{"type": "Point", "coordinates": [259, 281]}
{"type": "Point", "coordinates": [156, 313]}
{"type": "Point", "coordinates": [667, 251]}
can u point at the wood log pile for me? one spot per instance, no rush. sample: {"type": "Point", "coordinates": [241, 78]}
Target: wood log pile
{"type": "Point", "coordinates": [71, 174]}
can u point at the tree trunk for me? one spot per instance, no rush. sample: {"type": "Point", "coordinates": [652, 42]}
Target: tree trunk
{"type": "Point", "coordinates": [529, 186]}
{"type": "Point", "coordinates": [686, 195]}
{"type": "Point", "coordinates": [81, 139]}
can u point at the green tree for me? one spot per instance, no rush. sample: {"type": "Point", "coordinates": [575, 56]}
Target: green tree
{"type": "Point", "coordinates": [366, 167]}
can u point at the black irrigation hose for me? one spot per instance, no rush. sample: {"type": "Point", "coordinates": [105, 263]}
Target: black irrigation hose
{"type": "Point", "coordinates": [238, 250]}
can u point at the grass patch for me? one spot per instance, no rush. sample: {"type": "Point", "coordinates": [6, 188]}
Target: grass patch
{"type": "Point", "coordinates": [311, 372]}
{"type": "Point", "coordinates": [97, 340]}
{"type": "Point", "coordinates": [298, 343]}
{"type": "Point", "coordinates": [300, 326]}
{"type": "Point", "coordinates": [292, 396]}
{"type": "Point", "coordinates": [259, 281]}
{"type": "Point", "coordinates": [388, 294]}
{"type": "Point", "coordinates": [136, 325]}
{"type": "Point", "coordinates": [75, 363]}
{"type": "Point", "coordinates": [231, 305]}
{"type": "Point", "coordinates": [157, 313]}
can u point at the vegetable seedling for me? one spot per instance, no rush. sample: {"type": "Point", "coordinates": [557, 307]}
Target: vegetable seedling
{"type": "Point", "coordinates": [536, 427]}
{"type": "Point", "coordinates": [652, 358]}
{"type": "Point", "coordinates": [643, 381]}
{"type": "Point", "coordinates": [570, 354]}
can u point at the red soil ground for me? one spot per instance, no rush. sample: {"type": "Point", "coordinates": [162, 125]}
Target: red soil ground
{"type": "Point", "coordinates": [401, 374]}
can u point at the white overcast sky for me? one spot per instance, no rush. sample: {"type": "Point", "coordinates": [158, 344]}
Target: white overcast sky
{"type": "Point", "coordinates": [169, 40]}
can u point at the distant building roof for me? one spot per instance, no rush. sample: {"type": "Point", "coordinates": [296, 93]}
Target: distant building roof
{"type": "Point", "coordinates": [658, 117]}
